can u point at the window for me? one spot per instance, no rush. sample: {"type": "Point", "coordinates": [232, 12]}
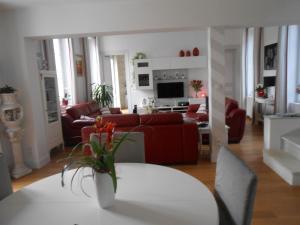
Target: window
{"type": "Point", "coordinates": [65, 69]}
{"type": "Point", "coordinates": [250, 63]}
{"type": "Point", "coordinates": [94, 60]}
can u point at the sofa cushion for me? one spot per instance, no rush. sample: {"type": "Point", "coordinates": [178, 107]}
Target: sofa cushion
{"type": "Point", "coordinates": [230, 104]}
{"type": "Point", "coordinates": [193, 108]}
{"type": "Point", "coordinates": [115, 110]}
{"type": "Point", "coordinates": [93, 107]}
{"type": "Point", "coordinates": [161, 119]}
{"type": "Point", "coordinates": [77, 110]}
{"type": "Point", "coordinates": [122, 120]}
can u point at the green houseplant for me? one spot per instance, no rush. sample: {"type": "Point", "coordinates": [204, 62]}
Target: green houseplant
{"type": "Point", "coordinates": [7, 90]}
{"type": "Point", "coordinates": [103, 95]}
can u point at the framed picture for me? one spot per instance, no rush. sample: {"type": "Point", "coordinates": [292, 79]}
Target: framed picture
{"type": "Point", "coordinates": [270, 57]}
{"type": "Point", "coordinates": [79, 65]}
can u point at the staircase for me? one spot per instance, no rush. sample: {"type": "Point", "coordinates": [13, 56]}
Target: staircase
{"type": "Point", "coordinates": [286, 160]}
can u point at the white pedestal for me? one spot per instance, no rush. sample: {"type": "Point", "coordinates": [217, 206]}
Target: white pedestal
{"type": "Point", "coordinates": [20, 169]}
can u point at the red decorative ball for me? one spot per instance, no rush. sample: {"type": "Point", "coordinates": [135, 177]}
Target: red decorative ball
{"type": "Point", "coordinates": [196, 52]}
{"type": "Point", "coordinates": [188, 53]}
{"type": "Point", "coordinates": [181, 53]}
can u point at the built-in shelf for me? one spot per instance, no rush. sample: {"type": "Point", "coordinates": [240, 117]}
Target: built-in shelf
{"type": "Point", "coordinates": [143, 68]}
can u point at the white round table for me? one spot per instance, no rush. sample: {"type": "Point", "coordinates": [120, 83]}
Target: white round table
{"type": "Point", "coordinates": [147, 194]}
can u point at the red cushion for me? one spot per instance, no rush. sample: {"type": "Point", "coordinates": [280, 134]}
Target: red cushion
{"type": "Point", "coordinates": [161, 119]}
{"type": "Point", "coordinates": [231, 105]}
{"type": "Point", "coordinates": [93, 107]}
{"type": "Point", "coordinates": [193, 108]}
{"type": "Point", "coordinates": [77, 110]}
{"type": "Point", "coordinates": [115, 110]}
{"type": "Point", "coordinates": [122, 120]}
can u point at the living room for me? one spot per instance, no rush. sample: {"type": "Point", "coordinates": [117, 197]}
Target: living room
{"type": "Point", "coordinates": [97, 47]}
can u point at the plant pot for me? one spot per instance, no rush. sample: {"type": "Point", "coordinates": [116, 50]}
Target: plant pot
{"type": "Point", "coordinates": [104, 190]}
{"type": "Point", "coordinates": [8, 98]}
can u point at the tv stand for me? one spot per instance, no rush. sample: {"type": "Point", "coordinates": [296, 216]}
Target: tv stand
{"type": "Point", "coordinates": [180, 109]}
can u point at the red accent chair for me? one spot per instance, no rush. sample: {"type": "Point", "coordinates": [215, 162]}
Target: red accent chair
{"type": "Point", "coordinates": [168, 139]}
{"type": "Point", "coordinates": [235, 118]}
{"type": "Point", "coordinates": [72, 122]}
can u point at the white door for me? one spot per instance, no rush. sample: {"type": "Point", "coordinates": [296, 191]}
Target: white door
{"type": "Point", "coordinates": [52, 109]}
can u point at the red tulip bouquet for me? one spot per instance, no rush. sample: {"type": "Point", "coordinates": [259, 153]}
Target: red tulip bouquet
{"type": "Point", "coordinates": [196, 85]}
{"type": "Point", "coordinates": [98, 154]}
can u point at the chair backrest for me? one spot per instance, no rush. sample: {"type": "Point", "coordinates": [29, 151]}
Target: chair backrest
{"type": "Point", "coordinates": [130, 150]}
{"type": "Point", "coordinates": [5, 182]}
{"type": "Point", "coordinates": [235, 186]}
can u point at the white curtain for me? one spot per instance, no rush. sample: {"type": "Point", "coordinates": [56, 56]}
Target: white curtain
{"type": "Point", "coordinates": [251, 66]}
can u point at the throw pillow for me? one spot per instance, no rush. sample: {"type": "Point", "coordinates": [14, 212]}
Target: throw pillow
{"type": "Point", "coordinates": [83, 117]}
{"type": "Point", "coordinates": [202, 109]}
{"type": "Point", "coordinates": [105, 111]}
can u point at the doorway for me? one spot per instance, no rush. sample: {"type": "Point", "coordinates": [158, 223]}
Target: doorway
{"type": "Point", "coordinates": [232, 74]}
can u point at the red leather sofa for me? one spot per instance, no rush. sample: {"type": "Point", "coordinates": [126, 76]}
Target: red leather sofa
{"type": "Point", "coordinates": [168, 139]}
{"type": "Point", "coordinates": [72, 122]}
{"type": "Point", "coordinates": [235, 118]}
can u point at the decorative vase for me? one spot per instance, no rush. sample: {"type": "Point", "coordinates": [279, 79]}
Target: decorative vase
{"type": "Point", "coordinates": [188, 53]}
{"type": "Point", "coordinates": [196, 52]}
{"type": "Point", "coordinates": [11, 115]}
{"type": "Point", "coordinates": [196, 95]}
{"type": "Point", "coordinates": [181, 53]}
{"type": "Point", "coordinates": [104, 190]}
{"type": "Point", "coordinates": [261, 93]}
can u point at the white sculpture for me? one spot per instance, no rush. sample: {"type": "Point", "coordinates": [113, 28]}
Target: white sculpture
{"type": "Point", "coordinates": [11, 114]}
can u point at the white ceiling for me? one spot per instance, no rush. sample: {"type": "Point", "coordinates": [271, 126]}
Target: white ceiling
{"type": "Point", "coordinates": [15, 4]}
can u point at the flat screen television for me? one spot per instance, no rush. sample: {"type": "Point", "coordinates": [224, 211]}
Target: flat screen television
{"type": "Point", "coordinates": [170, 90]}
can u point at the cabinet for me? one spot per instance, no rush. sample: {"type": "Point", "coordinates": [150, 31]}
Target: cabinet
{"type": "Point", "coordinates": [51, 109]}
{"type": "Point", "coordinates": [143, 74]}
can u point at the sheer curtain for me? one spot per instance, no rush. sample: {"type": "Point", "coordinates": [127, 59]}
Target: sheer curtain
{"type": "Point", "coordinates": [288, 68]}
{"type": "Point", "coordinates": [251, 66]}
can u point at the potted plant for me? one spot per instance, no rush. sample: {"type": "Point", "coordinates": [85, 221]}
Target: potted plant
{"type": "Point", "coordinates": [99, 155]}
{"type": "Point", "coordinates": [103, 95]}
{"type": "Point", "coordinates": [260, 90]}
{"type": "Point", "coordinates": [8, 95]}
{"type": "Point", "coordinates": [196, 85]}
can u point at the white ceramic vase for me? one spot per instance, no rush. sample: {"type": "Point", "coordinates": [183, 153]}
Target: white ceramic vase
{"type": "Point", "coordinates": [104, 190]}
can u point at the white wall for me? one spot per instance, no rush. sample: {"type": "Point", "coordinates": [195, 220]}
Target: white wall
{"type": "Point", "coordinates": [271, 35]}
{"type": "Point", "coordinates": [155, 45]}
{"type": "Point", "coordinates": [114, 17]}
{"type": "Point", "coordinates": [233, 66]}
{"type": "Point", "coordinates": [80, 80]}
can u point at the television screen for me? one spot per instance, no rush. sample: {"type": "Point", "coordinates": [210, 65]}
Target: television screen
{"type": "Point", "coordinates": [170, 90]}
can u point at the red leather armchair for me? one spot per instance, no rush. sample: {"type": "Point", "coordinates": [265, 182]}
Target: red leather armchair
{"type": "Point", "coordinates": [168, 139]}
{"type": "Point", "coordinates": [235, 118]}
{"type": "Point", "coordinates": [72, 122]}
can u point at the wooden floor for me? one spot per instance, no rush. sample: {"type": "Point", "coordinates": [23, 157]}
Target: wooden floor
{"type": "Point", "coordinates": [277, 203]}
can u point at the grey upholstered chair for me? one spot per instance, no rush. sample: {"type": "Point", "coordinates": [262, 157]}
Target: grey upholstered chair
{"type": "Point", "coordinates": [5, 182]}
{"type": "Point", "coordinates": [130, 150]}
{"type": "Point", "coordinates": [235, 189]}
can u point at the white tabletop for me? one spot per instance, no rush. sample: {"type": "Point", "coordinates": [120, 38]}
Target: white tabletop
{"type": "Point", "coordinates": [147, 194]}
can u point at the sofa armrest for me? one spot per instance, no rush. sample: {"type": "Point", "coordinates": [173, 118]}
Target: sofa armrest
{"type": "Point", "coordinates": [236, 121]}
{"type": "Point", "coordinates": [82, 123]}
{"type": "Point", "coordinates": [190, 139]}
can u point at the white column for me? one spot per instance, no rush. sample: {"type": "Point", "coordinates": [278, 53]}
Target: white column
{"type": "Point", "coordinates": [216, 73]}
{"type": "Point", "coordinates": [20, 169]}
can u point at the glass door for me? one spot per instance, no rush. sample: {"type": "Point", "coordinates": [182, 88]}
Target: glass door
{"type": "Point", "coordinates": [51, 99]}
